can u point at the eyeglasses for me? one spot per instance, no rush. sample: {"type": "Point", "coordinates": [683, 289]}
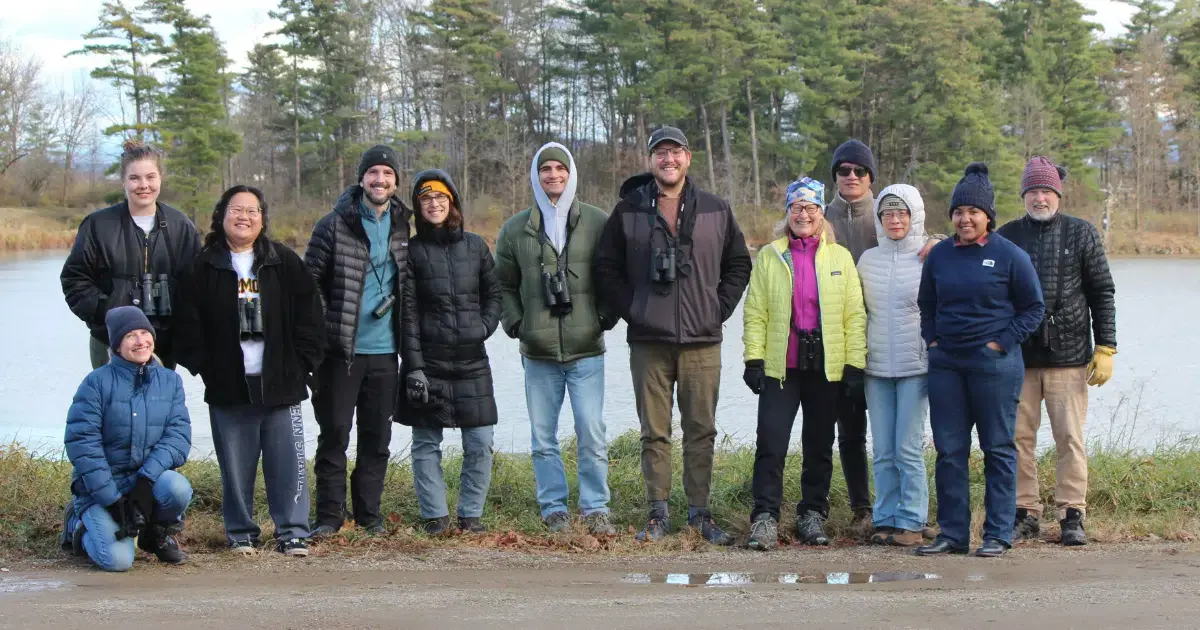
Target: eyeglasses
{"type": "Point", "coordinates": [675, 152]}
{"type": "Point", "coordinates": [432, 199]}
{"type": "Point", "coordinates": [811, 210]}
{"type": "Point", "coordinates": [859, 171]}
{"type": "Point", "coordinates": [888, 215]}
{"type": "Point", "coordinates": [245, 211]}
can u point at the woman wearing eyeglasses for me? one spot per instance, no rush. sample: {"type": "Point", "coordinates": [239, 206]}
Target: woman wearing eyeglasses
{"type": "Point", "coordinates": [805, 331]}
{"type": "Point", "coordinates": [897, 389]}
{"type": "Point", "coordinates": [451, 304]}
{"type": "Point", "coordinates": [252, 327]}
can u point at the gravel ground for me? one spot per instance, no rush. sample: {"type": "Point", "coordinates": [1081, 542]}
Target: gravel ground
{"type": "Point", "coordinates": [1150, 585]}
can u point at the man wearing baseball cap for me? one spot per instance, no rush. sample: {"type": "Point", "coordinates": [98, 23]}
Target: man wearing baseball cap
{"type": "Point", "coordinates": [673, 263]}
{"type": "Point", "coordinates": [1060, 360]}
{"type": "Point", "coordinates": [358, 254]}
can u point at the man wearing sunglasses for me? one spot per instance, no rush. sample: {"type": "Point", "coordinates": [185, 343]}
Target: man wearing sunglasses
{"type": "Point", "coordinates": [851, 213]}
{"type": "Point", "coordinates": [673, 263]}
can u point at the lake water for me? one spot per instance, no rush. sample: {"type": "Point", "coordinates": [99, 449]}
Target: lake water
{"type": "Point", "coordinates": [1152, 397]}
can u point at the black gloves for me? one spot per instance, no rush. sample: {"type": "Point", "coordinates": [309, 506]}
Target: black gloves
{"type": "Point", "coordinates": [142, 496]}
{"type": "Point", "coordinates": [853, 382]}
{"type": "Point", "coordinates": [754, 376]}
{"type": "Point", "coordinates": [417, 387]}
{"type": "Point", "coordinates": [125, 515]}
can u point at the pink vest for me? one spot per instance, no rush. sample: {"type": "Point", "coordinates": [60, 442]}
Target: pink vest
{"type": "Point", "coordinates": [806, 305]}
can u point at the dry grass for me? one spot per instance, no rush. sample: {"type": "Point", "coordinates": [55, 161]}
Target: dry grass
{"type": "Point", "coordinates": [1133, 495]}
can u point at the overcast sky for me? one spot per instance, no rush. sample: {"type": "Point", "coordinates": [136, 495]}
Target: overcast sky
{"type": "Point", "coordinates": [52, 30]}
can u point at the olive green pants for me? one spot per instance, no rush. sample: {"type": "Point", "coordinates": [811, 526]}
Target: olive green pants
{"type": "Point", "coordinates": [658, 369]}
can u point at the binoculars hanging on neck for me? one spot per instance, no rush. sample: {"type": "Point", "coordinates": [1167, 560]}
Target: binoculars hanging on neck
{"type": "Point", "coordinates": [250, 319]}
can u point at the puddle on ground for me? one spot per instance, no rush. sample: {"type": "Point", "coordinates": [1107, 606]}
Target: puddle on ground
{"type": "Point", "coordinates": [10, 585]}
{"type": "Point", "coordinates": [743, 579]}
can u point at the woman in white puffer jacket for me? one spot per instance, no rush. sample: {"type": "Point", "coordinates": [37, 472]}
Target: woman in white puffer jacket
{"type": "Point", "coordinates": [896, 388]}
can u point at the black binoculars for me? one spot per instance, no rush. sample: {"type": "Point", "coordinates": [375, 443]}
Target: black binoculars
{"type": "Point", "coordinates": [156, 295]}
{"type": "Point", "coordinates": [811, 350]}
{"type": "Point", "coordinates": [250, 320]}
{"type": "Point", "coordinates": [1047, 336]}
{"type": "Point", "coordinates": [662, 265]}
{"type": "Point", "coordinates": [558, 295]}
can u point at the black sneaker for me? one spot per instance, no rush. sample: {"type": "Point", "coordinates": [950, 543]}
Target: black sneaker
{"type": "Point", "coordinates": [66, 540]}
{"type": "Point", "coordinates": [558, 522]}
{"type": "Point", "coordinates": [243, 547]}
{"type": "Point", "coordinates": [77, 541]}
{"type": "Point", "coordinates": [471, 524]}
{"type": "Point", "coordinates": [810, 529]}
{"type": "Point", "coordinates": [764, 533]}
{"type": "Point", "coordinates": [375, 530]}
{"type": "Point", "coordinates": [703, 522]}
{"type": "Point", "coordinates": [1029, 527]}
{"type": "Point", "coordinates": [321, 532]}
{"type": "Point", "coordinates": [157, 539]}
{"type": "Point", "coordinates": [294, 547]}
{"type": "Point", "coordinates": [1072, 529]}
{"type": "Point", "coordinates": [658, 526]}
{"type": "Point", "coordinates": [436, 526]}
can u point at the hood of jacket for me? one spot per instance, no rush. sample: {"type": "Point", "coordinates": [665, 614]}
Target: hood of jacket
{"type": "Point", "coordinates": [916, 237]}
{"type": "Point", "coordinates": [542, 201]}
{"type": "Point", "coordinates": [435, 174]}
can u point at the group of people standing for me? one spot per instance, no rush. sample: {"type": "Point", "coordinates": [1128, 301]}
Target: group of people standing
{"type": "Point", "coordinates": [385, 317]}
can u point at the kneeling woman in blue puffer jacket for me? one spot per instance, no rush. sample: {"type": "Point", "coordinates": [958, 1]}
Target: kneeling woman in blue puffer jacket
{"type": "Point", "coordinates": [127, 432]}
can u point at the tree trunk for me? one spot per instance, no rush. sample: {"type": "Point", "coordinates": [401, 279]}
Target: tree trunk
{"type": "Point", "coordinates": [708, 153]}
{"type": "Point", "coordinates": [728, 151]}
{"type": "Point", "coordinates": [754, 149]}
{"type": "Point", "coordinates": [296, 128]}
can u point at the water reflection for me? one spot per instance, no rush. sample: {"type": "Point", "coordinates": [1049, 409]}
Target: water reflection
{"type": "Point", "coordinates": [743, 579]}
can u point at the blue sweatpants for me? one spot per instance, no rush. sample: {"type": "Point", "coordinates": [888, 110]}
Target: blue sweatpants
{"type": "Point", "coordinates": [979, 388]}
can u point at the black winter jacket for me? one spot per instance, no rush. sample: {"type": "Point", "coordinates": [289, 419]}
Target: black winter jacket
{"type": "Point", "coordinates": [339, 257]}
{"type": "Point", "coordinates": [208, 338]}
{"type": "Point", "coordinates": [451, 305]}
{"type": "Point", "coordinates": [709, 282]}
{"type": "Point", "coordinates": [104, 269]}
{"type": "Point", "coordinates": [1068, 254]}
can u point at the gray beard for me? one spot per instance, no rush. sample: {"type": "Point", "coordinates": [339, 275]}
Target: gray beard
{"type": "Point", "coordinates": [1041, 215]}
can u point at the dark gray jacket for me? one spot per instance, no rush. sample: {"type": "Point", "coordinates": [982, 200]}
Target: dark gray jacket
{"type": "Point", "coordinates": [712, 271]}
{"type": "Point", "coordinates": [853, 224]}
{"type": "Point", "coordinates": [338, 256]}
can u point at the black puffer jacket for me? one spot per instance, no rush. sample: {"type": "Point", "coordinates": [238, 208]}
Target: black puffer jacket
{"type": "Point", "coordinates": [208, 335]}
{"type": "Point", "coordinates": [1068, 254]}
{"type": "Point", "coordinates": [709, 281]}
{"type": "Point", "coordinates": [451, 305]}
{"type": "Point", "coordinates": [105, 266]}
{"type": "Point", "coordinates": [338, 256]}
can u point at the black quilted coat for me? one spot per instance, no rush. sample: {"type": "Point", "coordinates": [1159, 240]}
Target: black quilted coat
{"type": "Point", "coordinates": [1068, 254]}
{"type": "Point", "coordinates": [451, 305]}
{"type": "Point", "coordinates": [339, 255]}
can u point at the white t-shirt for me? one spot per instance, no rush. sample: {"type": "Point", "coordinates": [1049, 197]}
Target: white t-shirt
{"type": "Point", "coordinates": [252, 350]}
{"type": "Point", "coordinates": [146, 222]}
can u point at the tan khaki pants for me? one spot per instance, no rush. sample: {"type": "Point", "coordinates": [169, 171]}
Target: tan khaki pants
{"type": "Point", "coordinates": [658, 370]}
{"type": "Point", "coordinates": [1065, 393]}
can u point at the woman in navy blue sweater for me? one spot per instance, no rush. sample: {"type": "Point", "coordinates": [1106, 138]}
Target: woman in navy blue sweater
{"type": "Point", "coordinates": [979, 299]}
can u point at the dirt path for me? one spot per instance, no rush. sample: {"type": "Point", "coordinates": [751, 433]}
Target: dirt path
{"type": "Point", "coordinates": [1104, 586]}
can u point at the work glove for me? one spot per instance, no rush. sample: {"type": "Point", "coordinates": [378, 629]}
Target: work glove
{"type": "Point", "coordinates": [1101, 367]}
{"type": "Point", "coordinates": [142, 497]}
{"type": "Point", "coordinates": [853, 382]}
{"type": "Point", "coordinates": [123, 514]}
{"type": "Point", "coordinates": [417, 387]}
{"type": "Point", "coordinates": [754, 375]}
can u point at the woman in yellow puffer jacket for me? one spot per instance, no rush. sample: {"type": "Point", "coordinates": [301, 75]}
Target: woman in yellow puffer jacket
{"type": "Point", "coordinates": [805, 330]}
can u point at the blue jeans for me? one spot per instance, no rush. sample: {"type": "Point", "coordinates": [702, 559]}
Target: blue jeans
{"type": "Point", "coordinates": [474, 480]}
{"type": "Point", "coordinates": [978, 387]}
{"type": "Point", "coordinates": [898, 407]}
{"type": "Point", "coordinates": [172, 494]}
{"type": "Point", "coordinates": [546, 383]}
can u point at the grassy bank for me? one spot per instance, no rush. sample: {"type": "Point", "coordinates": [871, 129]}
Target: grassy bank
{"type": "Point", "coordinates": [1132, 495]}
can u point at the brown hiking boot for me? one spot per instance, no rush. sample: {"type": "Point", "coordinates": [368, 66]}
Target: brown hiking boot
{"type": "Point", "coordinates": [929, 532]}
{"type": "Point", "coordinates": [862, 526]}
{"type": "Point", "coordinates": [905, 538]}
{"type": "Point", "coordinates": [881, 534]}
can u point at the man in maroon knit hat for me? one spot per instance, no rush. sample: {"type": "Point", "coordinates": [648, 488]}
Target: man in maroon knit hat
{"type": "Point", "coordinates": [1060, 360]}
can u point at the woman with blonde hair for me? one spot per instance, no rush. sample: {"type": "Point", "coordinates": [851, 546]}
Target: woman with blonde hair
{"type": "Point", "coordinates": [805, 331]}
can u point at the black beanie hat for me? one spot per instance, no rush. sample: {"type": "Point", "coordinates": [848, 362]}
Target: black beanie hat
{"type": "Point", "coordinates": [123, 320]}
{"type": "Point", "coordinates": [376, 155]}
{"type": "Point", "coordinates": [854, 152]}
{"type": "Point", "coordinates": [975, 189]}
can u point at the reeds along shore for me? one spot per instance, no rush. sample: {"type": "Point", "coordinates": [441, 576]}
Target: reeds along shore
{"type": "Point", "coordinates": [1133, 495]}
